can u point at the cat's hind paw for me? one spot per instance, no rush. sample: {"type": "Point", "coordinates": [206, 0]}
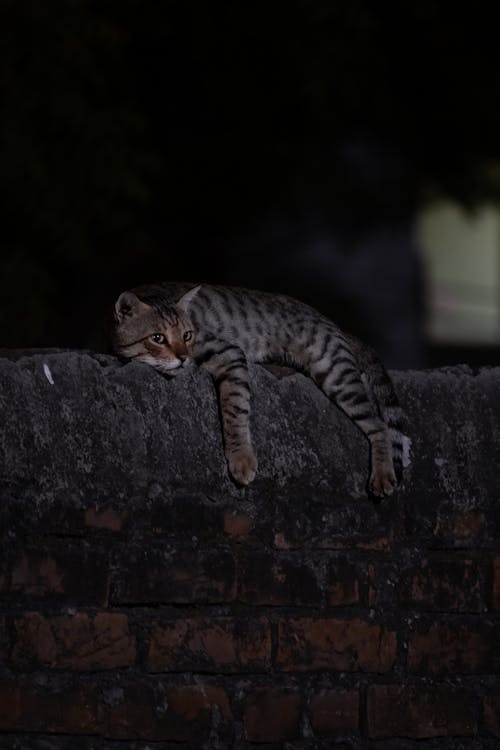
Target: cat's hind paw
{"type": "Point", "coordinates": [243, 465]}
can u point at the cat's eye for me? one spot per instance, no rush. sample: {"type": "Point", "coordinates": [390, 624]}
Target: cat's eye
{"type": "Point", "coordinates": [158, 338]}
{"type": "Point", "coordinates": [188, 335]}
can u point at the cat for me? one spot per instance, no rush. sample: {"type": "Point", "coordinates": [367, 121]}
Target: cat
{"type": "Point", "coordinates": [170, 325]}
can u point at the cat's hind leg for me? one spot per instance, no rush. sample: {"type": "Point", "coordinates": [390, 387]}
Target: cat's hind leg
{"type": "Point", "coordinates": [337, 374]}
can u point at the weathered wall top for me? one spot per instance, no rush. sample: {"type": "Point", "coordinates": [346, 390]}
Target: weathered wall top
{"type": "Point", "coordinates": [144, 598]}
{"type": "Point", "coordinates": [82, 423]}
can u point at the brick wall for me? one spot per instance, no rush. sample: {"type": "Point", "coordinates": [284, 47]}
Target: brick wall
{"type": "Point", "coordinates": [146, 602]}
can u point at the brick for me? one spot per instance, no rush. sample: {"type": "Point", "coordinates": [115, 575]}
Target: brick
{"type": "Point", "coordinates": [343, 584]}
{"type": "Point", "coordinates": [68, 572]}
{"type": "Point", "coordinates": [307, 643]}
{"type": "Point", "coordinates": [272, 715]}
{"type": "Point", "coordinates": [220, 644]}
{"type": "Point", "coordinates": [187, 515]}
{"type": "Point", "coordinates": [37, 575]}
{"type": "Point", "coordinates": [334, 711]}
{"type": "Point", "coordinates": [444, 585]}
{"type": "Point", "coordinates": [491, 713]}
{"type": "Point", "coordinates": [325, 522]}
{"type": "Point", "coordinates": [104, 518]}
{"type": "Point", "coordinates": [81, 642]}
{"type": "Point", "coordinates": [178, 713]}
{"type": "Point", "coordinates": [496, 584]}
{"type": "Point", "coordinates": [28, 709]}
{"type": "Point", "coordinates": [455, 648]}
{"type": "Point", "coordinates": [237, 524]}
{"type": "Point", "coordinates": [380, 543]}
{"type": "Point", "coordinates": [181, 574]}
{"type": "Point", "coordinates": [279, 578]}
{"type": "Point", "coordinates": [459, 527]}
{"type": "Point", "coordinates": [420, 712]}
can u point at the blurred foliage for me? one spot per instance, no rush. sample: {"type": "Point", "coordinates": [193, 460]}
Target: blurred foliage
{"type": "Point", "coordinates": [137, 137]}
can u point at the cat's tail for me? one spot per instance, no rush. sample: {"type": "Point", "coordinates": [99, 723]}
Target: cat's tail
{"type": "Point", "coordinates": [383, 396]}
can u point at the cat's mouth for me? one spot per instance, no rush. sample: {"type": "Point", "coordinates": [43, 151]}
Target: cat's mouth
{"type": "Point", "coordinates": [167, 366]}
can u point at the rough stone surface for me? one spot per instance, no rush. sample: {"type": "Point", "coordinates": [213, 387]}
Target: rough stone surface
{"type": "Point", "coordinates": [88, 427]}
{"type": "Point", "coordinates": [146, 601]}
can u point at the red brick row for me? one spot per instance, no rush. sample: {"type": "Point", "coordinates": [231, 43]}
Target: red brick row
{"type": "Point", "coordinates": [187, 574]}
{"type": "Point", "coordinates": [218, 644]}
{"type": "Point", "coordinates": [274, 714]}
{"type": "Point", "coordinates": [103, 641]}
{"type": "Point", "coordinates": [189, 515]}
{"type": "Point", "coordinates": [157, 711]}
{"type": "Point", "coordinates": [447, 526]}
{"type": "Point", "coordinates": [137, 711]}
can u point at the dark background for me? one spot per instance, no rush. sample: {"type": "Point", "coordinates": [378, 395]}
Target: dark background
{"type": "Point", "coordinates": [286, 146]}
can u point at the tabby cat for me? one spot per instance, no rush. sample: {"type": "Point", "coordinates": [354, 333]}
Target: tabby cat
{"type": "Point", "coordinates": [168, 325]}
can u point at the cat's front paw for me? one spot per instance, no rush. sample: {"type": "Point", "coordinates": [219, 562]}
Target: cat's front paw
{"type": "Point", "coordinates": [243, 465]}
{"type": "Point", "coordinates": [382, 481]}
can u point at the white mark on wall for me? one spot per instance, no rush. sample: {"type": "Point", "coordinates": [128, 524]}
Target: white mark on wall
{"type": "Point", "coordinates": [406, 450]}
{"type": "Point", "coordinates": [47, 373]}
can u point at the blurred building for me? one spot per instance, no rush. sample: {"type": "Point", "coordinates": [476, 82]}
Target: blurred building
{"type": "Point", "coordinates": [461, 251]}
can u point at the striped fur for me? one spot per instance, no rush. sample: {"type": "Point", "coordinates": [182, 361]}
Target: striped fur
{"type": "Point", "coordinates": [223, 328]}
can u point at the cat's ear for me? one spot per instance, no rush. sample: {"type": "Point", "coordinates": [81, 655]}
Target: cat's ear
{"type": "Point", "coordinates": [126, 305]}
{"type": "Point", "coordinates": [186, 299]}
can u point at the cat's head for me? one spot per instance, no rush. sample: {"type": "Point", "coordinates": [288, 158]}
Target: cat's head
{"type": "Point", "coordinates": [159, 335]}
